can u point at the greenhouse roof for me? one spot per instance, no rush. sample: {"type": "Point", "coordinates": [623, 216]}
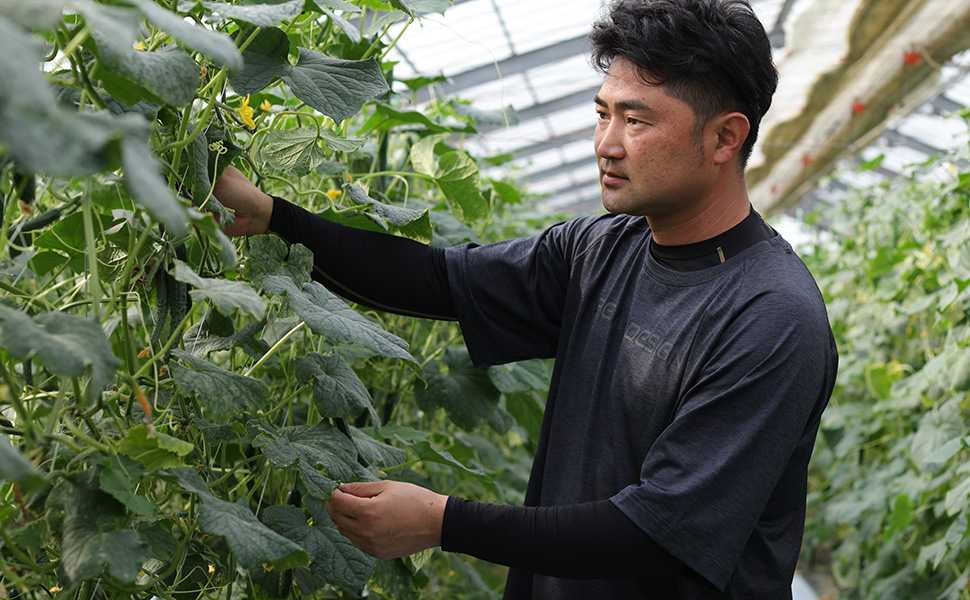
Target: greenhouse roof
{"type": "Point", "coordinates": [857, 77]}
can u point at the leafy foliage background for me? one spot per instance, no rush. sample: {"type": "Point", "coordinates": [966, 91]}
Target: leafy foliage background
{"type": "Point", "coordinates": [176, 406]}
{"type": "Point", "coordinates": [889, 484]}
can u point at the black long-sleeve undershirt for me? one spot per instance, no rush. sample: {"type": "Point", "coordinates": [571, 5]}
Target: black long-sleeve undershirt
{"type": "Point", "coordinates": [377, 270]}
{"type": "Point", "coordinates": [578, 541]}
{"type": "Point", "coordinates": [589, 540]}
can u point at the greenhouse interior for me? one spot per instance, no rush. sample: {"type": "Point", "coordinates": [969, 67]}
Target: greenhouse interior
{"type": "Point", "coordinates": [287, 306]}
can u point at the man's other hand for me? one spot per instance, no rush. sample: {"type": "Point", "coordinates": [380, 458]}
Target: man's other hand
{"type": "Point", "coordinates": [252, 207]}
{"type": "Point", "coordinates": [388, 519]}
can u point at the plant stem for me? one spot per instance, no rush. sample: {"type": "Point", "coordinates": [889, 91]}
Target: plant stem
{"type": "Point", "coordinates": [94, 281]}
{"type": "Point", "coordinates": [275, 347]}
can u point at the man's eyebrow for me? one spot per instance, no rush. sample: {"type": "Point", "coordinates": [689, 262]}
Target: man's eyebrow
{"type": "Point", "coordinates": [623, 104]}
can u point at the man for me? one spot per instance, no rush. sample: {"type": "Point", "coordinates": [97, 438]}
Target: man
{"type": "Point", "coordinates": [693, 352]}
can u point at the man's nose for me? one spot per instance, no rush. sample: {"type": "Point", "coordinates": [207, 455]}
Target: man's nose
{"type": "Point", "coordinates": [609, 141]}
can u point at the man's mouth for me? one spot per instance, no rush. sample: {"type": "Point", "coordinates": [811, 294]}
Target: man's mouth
{"type": "Point", "coordinates": [611, 177]}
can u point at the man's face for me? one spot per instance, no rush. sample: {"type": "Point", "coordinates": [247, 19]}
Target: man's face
{"type": "Point", "coordinates": [652, 161]}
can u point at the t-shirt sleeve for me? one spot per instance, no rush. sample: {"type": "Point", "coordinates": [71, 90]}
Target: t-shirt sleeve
{"type": "Point", "coordinates": [510, 295]}
{"type": "Point", "coordinates": [751, 412]}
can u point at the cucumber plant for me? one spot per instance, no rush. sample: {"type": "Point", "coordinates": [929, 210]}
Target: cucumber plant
{"type": "Point", "coordinates": [890, 491]}
{"type": "Point", "coordinates": [176, 406]}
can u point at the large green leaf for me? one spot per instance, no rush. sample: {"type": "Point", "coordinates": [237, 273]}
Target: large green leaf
{"type": "Point", "coordinates": [66, 344]}
{"type": "Point", "coordinates": [224, 395]}
{"type": "Point", "coordinates": [269, 255]}
{"type": "Point", "coordinates": [227, 296]}
{"type": "Point", "coordinates": [215, 45]}
{"type": "Point", "coordinates": [328, 315]}
{"type": "Point", "coordinates": [334, 557]}
{"type": "Point", "coordinates": [90, 539]}
{"type": "Point", "coordinates": [118, 479]}
{"type": "Point", "coordinates": [41, 135]}
{"type": "Point", "coordinates": [321, 446]}
{"type": "Point", "coordinates": [936, 429]}
{"type": "Point", "coordinates": [261, 15]}
{"type": "Point", "coordinates": [412, 224]}
{"type": "Point", "coordinates": [297, 151]}
{"type": "Point", "coordinates": [170, 75]}
{"type": "Point", "coordinates": [460, 182]}
{"type": "Point", "coordinates": [37, 14]}
{"type": "Point", "coordinates": [375, 452]}
{"type": "Point", "coordinates": [143, 178]}
{"type": "Point", "coordinates": [337, 390]}
{"type": "Point", "coordinates": [466, 393]}
{"type": "Point", "coordinates": [336, 87]}
{"type": "Point", "coordinates": [252, 543]}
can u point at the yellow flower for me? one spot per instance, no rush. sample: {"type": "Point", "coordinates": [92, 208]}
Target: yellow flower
{"type": "Point", "coordinates": [246, 112]}
{"type": "Point", "coordinates": [139, 46]}
{"type": "Point", "coordinates": [266, 106]}
{"type": "Point", "coordinates": [212, 569]}
{"type": "Point", "coordinates": [334, 194]}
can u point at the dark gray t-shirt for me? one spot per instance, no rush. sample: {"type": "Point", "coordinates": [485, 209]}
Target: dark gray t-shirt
{"type": "Point", "coordinates": [691, 399]}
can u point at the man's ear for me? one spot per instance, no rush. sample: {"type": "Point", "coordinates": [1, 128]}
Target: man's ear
{"type": "Point", "coordinates": [732, 130]}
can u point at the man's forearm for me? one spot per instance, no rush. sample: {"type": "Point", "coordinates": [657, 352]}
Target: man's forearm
{"type": "Point", "coordinates": [378, 270]}
{"type": "Point", "coordinates": [579, 541]}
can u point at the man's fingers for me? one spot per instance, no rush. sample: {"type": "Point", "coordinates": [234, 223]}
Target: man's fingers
{"type": "Point", "coordinates": [362, 489]}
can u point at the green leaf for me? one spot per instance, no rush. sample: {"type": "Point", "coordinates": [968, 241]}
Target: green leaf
{"type": "Point", "coordinates": [902, 515]}
{"type": "Point", "coordinates": [525, 376]}
{"type": "Point", "coordinates": [154, 449]}
{"type": "Point", "coordinates": [936, 428]}
{"type": "Point", "coordinates": [328, 315]}
{"type": "Point", "coordinates": [377, 453]}
{"type": "Point", "coordinates": [346, 26]}
{"type": "Point", "coordinates": [118, 479]}
{"type": "Point", "coordinates": [143, 178]}
{"type": "Point", "coordinates": [170, 75]}
{"type": "Point", "coordinates": [14, 466]}
{"type": "Point", "coordinates": [265, 59]}
{"type": "Point", "coordinates": [316, 483]}
{"type": "Point", "coordinates": [337, 390]}
{"type": "Point", "coordinates": [336, 87]}
{"type": "Point", "coordinates": [422, 155]}
{"type": "Point", "coordinates": [466, 393]}
{"type": "Point", "coordinates": [227, 296]}
{"type": "Point", "coordinates": [199, 164]}
{"type": "Point", "coordinates": [215, 45]}
{"type": "Point", "coordinates": [90, 538]}
{"type": "Point", "coordinates": [270, 256]}
{"type": "Point", "coordinates": [412, 224]}
{"type": "Point", "coordinates": [207, 225]}
{"type": "Point", "coordinates": [387, 117]}
{"type": "Point", "coordinates": [333, 557]}
{"type": "Point", "coordinates": [39, 134]}
{"type": "Point", "coordinates": [224, 395]}
{"type": "Point", "coordinates": [261, 15]}
{"type": "Point", "coordinates": [460, 182]}
{"type": "Point", "coordinates": [251, 543]}
{"type": "Point", "coordinates": [322, 446]}
{"type": "Point", "coordinates": [162, 545]}
{"type": "Point", "coordinates": [38, 14]}
{"type": "Point", "coordinates": [297, 152]}
{"type": "Point", "coordinates": [527, 411]}
{"type": "Point", "coordinates": [68, 345]}
{"type": "Point", "coordinates": [427, 453]}
{"type": "Point", "coordinates": [957, 498]}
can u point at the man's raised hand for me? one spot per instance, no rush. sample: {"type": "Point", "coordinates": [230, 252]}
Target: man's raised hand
{"type": "Point", "coordinates": [251, 206]}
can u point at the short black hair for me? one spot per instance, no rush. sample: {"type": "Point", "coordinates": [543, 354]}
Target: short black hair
{"type": "Point", "coordinates": [712, 54]}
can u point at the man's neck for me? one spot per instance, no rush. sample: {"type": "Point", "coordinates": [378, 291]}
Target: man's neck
{"type": "Point", "coordinates": [708, 219]}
